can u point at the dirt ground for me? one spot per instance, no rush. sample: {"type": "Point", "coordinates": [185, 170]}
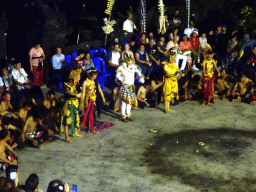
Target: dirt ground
{"type": "Point", "coordinates": [195, 148]}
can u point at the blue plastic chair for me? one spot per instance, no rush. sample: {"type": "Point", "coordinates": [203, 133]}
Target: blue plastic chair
{"type": "Point", "coordinates": [103, 53]}
{"type": "Point", "coordinates": [100, 65]}
{"type": "Point", "coordinates": [74, 55]}
{"type": "Point", "coordinates": [93, 53]}
{"type": "Point", "coordinates": [68, 59]}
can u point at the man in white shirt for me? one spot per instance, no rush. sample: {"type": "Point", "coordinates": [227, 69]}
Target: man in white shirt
{"type": "Point", "coordinates": [128, 27]}
{"type": "Point", "coordinates": [188, 31]}
{"type": "Point", "coordinates": [58, 69]}
{"type": "Point", "coordinates": [20, 76]}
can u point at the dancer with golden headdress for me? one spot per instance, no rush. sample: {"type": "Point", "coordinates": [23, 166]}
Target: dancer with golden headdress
{"type": "Point", "coordinates": [170, 84]}
{"type": "Point", "coordinates": [208, 77]}
{"type": "Point", "coordinates": [88, 99]}
{"type": "Point", "coordinates": [126, 74]}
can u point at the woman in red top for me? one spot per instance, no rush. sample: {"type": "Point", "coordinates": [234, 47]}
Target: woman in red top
{"type": "Point", "coordinates": [142, 40]}
{"type": "Point", "coordinates": [194, 40]}
{"type": "Point", "coordinates": [36, 64]}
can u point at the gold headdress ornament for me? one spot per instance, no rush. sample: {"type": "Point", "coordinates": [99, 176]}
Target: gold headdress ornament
{"type": "Point", "coordinates": [209, 53]}
{"type": "Point", "coordinates": [92, 70]}
{"type": "Point", "coordinates": [127, 59]}
{"type": "Point", "coordinates": [75, 74]}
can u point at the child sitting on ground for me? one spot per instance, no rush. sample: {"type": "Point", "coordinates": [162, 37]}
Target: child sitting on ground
{"type": "Point", "coordinates": [222, 89]}
{"type": "Point", "coordinates": [142, 94]}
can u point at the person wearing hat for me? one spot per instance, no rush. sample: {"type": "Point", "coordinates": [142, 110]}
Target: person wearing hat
{"type": "Point", "coordinates": [125, 74]}
{"type": "Point", "coordinates": [90, 89]}
{"type": "Point", "coordinates": [195, 44]}
{"type": "Point", "coordinates": [207, 77]}
{"type": "Point", "coordinates": [170, 84]}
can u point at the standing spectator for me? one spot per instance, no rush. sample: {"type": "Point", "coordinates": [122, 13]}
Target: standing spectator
{"type": "Point", "coordinates": [78, 62]}
{"type": "Point", "coordinates": [232, 52]}
{"type": "Point", "coordinates": [128, 27]}
{"type": "Point", "coordinates": [153, 55]}
{"type": "Point", "coordinates": [161, 47]}
{"type": "Point", "coordinates": [174, 20]}
{"type": "Point", "coordinates": [211, 39]}
{"type": "Point", "coordinates": [36, 64]}
{"type": "Point", "coordinates": [188, 31]}
{"type": "Point", "coordinates": [58, 61]}
{"type": "Point", "coordinates": [223, 45]}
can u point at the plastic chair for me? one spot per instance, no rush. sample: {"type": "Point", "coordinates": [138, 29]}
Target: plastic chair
{"type": "Point", "coordinates": [103, 53]}
{"type": "Point", "coordinates": [74, 55]}
{"type": "Point", "coordinates": [68, 59]}
{"type": "Point", "coordinates": [100, 65]}
{"type": "Point", "coordinates": [93, 53]}
{"type": "Point", "coordinates": [124, 43]}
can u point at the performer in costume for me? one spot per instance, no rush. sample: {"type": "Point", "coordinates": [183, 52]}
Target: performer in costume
{"type": "Point", "coordinates": [70, 117]}
{"type": "Point", "coordinates": [126, 74]}
{"type": "Point", "coordinates": [207, 77]}
{"type": "Point", "coordinates": [170, 84]}
{"type": "Point", "coordinates": [89, 99]}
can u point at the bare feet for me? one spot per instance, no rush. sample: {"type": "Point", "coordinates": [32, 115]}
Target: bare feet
{"type": "Point", "coordinates": [69, 141]}
{"type": "Point", "coordinates": [95, 132]}
{"type": "Point", "coordinates": [253, 103]}
{"type": "Point", "coordinates": [203, 104]}
{"type": "Point", "coordinates": [78, 135]}
{"type": "Point", "coordinates": [210, 104]}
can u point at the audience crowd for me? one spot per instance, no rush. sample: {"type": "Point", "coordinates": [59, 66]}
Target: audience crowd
{"type": "Point", "coordinates": [169, 61]}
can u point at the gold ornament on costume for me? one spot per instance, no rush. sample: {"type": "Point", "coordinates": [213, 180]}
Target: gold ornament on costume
{"type": "Point", "coordinates": [162, 17]}
{"type": "Point", "coordinates": [75, 74]}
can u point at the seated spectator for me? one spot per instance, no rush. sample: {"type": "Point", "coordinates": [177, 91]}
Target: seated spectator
{"type": "Point", "coordinates": [161, 47]}
{"type": "Point", "coordinates": [142, 40]}
{"type": "Point", "coordinates": [5, 160]}
{"type": "Point", "coordinates": [193, 88]}
{"type": "Point", "coordinates": [203, 42]}
{"type": "Point", "coordinates": [114, 58]}
{"type": "Point", "coordinates": [150, 36]}
{"type": "Point", "coordinates": [9, 185]}
{"type": "Point", "coordinates": [143, 62]}
{"type": "Point", "coordinates": [173, 46]}
{"type": "Point", "coordinates": [127, 50]}
{"type": "Point", "coordinates": [174, 32]}
{"type": "Point", "coordinates": [211, 39]}
{"type": "Point", "coordinates": [1, 86]}
{"type": "Point", "coordinates": [241, 89]}
{"type": "Point", "coordinates": [32, 182]}
{"type": "Point", "coordinates": [58, 65]}
{"type": "Point", "coordinates": [23, 188]}
{"type": "Point", "coordinates": [78, 62]}
{"type": "Point", "coordinates": [88, 62]}
{"type": "Point", "coordinates": [20, 76]}
{"type": "Point", "coordinates": [57, 186]}
{"type": "Point", "coordinates": [7, 80]}
{"type": "Point", "coordinates": [142, 95]}
{"type": "Point", "coordinates": [34, 132]}
{"type": "Point", "coordinates": [186, 49]}
{"type": "Point", "coordinates": [50, 100]}
{"type": "Point", "coordinates": [222, 88]}
{"type": "Point", "coordinates": [195, 45]}
{"type": "Point", "coordinates": [6, 102]}
{"type": "Point", "coordinates": [116, 41]}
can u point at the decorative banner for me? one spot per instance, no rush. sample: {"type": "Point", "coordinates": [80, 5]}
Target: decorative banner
{"type": "Point", "coordinates": [108, 28]}
{"type": "Point", "coordinates": [162, 17]}
{"type": "Point", "coordinates": [143, 15]}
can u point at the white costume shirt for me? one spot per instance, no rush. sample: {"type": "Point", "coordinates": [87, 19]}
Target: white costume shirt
{"type": "Point", "coordinates": [1, 82]}
{"type": "Point", "coordinates": [128, 26]}
{"type": "Point", "coordinates": [203, 41]}
{"type": "Point", "coordinates": [126, 74]}
{"type": "Point", "coordinates": [20, 76]}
